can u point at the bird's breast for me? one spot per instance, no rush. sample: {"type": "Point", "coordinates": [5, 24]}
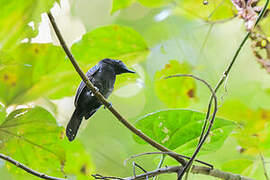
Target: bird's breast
{"type": "Point", "coordinates": [105, 83]}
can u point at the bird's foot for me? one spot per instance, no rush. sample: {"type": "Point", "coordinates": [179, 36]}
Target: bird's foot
{"type": "Point", "coordinates": [110, 105]}
{"type": "Point", "coordinates": [97, 90]}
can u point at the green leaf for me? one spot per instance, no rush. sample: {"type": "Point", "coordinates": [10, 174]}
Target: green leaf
{"type": "Point", "coordinates": [33, 137]}
{"type": "Point", "coordinates": [214, 10]}
{"type": "Point", "coordinates": [155, 3]}
{"type": "Point", "coordinates": [180, 129]}
{"type": "Point", "coordinates": [14, 17]}
{"type": "Point", "coordinates": [114, 41]}
{"type": "Point", "coordinates": [120, 4]}
{"type": "Point", "coordinates": [254, 134]}
{"type": "Point", "coordinates": [175, 92]}
{"type": "Point", "coordinates": [30, 136]}
{"type": "Point", "coordinates": [33, 71]}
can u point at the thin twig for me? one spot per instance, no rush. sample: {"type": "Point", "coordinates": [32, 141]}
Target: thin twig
{"type": "Point", "coordinates": [182, 156]}
{"type": "Point", "coordinates": [225, 75]}
{"type": "Point", "coordinates": [187, 166]}
{"type": "Point", "coordinates": [264, 168]}
{"type": "Point", "coordinates": [27, 169]}
{"type": "Point", "coordinates": [103, 100]}
{"type": "Point", "coordinates": [174, 169]}
{"type": "Point", "coordinates": [98, 176]}
{"type": "Point", "coordinates": [227, 71]}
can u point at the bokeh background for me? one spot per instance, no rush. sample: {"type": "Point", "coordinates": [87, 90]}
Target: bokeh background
{"type": "Point", "coordinates": [180, 37]}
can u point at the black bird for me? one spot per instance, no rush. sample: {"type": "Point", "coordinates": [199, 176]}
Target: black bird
{"type": "Point", "coordinates": [103, 77]}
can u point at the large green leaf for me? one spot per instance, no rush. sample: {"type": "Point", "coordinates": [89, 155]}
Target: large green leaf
{"type": "Point", "coordinates": [254, 134]}
{"type": "Point", "coordinates": [175, 92]}
{"type": "Point", "coordinates": [120, 4]}
{"type": "Point", "coordinates": [214, 10]}
{"type": "Point", "coordinates": [35, 70]}
{"type": "Point", "coordinates": [180, 129]}
{"type": "Point", "coordinates": [33, 137]}
{"type": "Point", "coordinates": [155, 3]}
{"type": "Point", "coordinates": [14, 17]}
{"type": "Point", "coordinates": [112, 41]}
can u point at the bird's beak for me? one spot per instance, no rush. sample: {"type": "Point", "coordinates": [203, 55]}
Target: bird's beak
{"type": "Point", "coordinates": [128, 70]}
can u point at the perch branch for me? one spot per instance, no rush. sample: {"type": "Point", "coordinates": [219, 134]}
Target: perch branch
{"type": "Point", "coordinates": [104, 101]}
{"type": "Point", "coordinates": [27, 169]}
{"type": "Point", "coordinates": [175, 169]}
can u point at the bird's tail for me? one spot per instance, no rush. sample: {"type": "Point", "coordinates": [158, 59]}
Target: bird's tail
{"type": "Point", "coordinates": [74, 124]}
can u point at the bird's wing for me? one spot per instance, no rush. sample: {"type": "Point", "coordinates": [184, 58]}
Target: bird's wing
{"type": "Point", "coordinates": [82, 85]}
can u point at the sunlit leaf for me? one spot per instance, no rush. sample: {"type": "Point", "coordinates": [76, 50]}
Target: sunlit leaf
{"type": "Point", "coordinates": [175, 92]}
{"type": "Point", "coordinates": [114, 41]}
{"type": "Point", "coordinates": [120, 4]}
{"type": "Point", "coordinates": [33, 137]}
{"type": "Point", "coordinates": [214, 10]}
{"type": "Point", "coordinates": [180, 129]}
{"type": "Point", "coordinates": [254, 132]}
{"type": "Point", "coordinates": [14, 17]}
{"type": "Point", "coordinates": [79, 163]}
{"type": "Point", "coordinates": [155, 3]}
{"type": "Point", "coordinates": [33, 71]}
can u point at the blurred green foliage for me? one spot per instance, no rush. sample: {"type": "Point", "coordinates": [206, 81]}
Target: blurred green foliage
{"type": "Point", "coordinates": [153, 37]}
{"type": "Point", "coordinates": [14, 17]}
{"type": "Point", "coordinates": [32, 136]}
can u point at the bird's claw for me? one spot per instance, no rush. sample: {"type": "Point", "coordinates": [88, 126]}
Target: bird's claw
{"type": "Point", "coordinates": [97, 90]}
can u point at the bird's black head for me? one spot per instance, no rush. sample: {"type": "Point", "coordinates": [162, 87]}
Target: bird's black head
{"type": "Point", "coordinates": [119, 66]}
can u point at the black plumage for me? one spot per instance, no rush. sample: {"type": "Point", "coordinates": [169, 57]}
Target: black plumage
{"type": "Point", "coordinates": [103, 77]}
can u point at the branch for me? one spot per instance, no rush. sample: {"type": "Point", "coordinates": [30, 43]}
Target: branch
{"type": "Point", "coordinates": [27, 169]}
{"type": "Point", "coordinates": [228, 69]}
{"type": "Point", "coordinates": [175, 169]}
{"type": "Point", "coordinates": [104, 101]}
{"type": "Point", "coordinates": [264, 168]}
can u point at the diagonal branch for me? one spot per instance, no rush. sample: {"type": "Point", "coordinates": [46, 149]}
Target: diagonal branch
{"type": "Point", "coordinates": [104, 101]}
{"type": "Point", "coordinates": [27, 169]}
